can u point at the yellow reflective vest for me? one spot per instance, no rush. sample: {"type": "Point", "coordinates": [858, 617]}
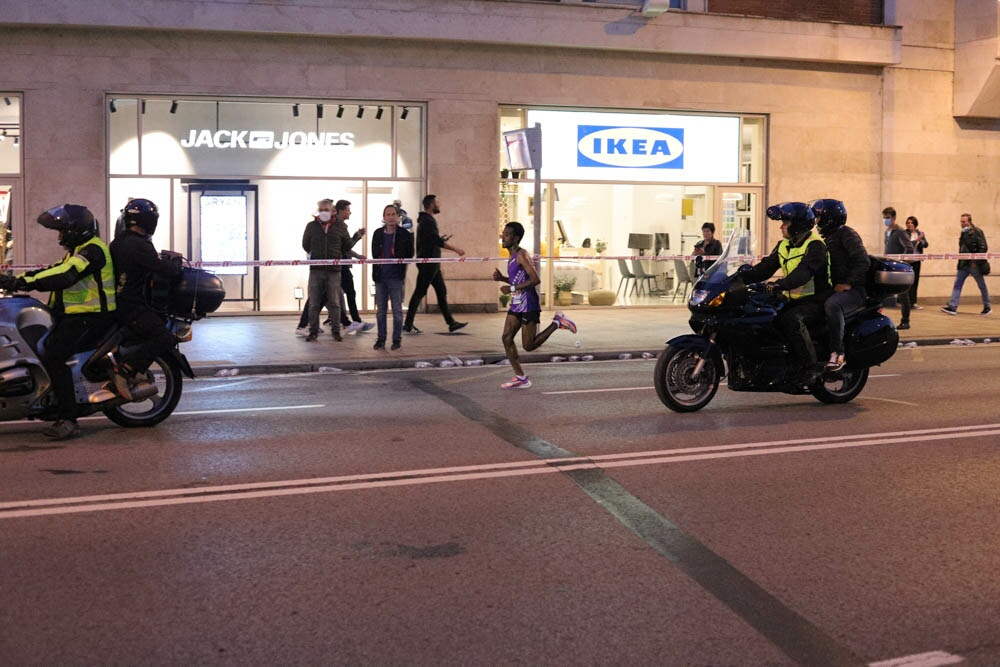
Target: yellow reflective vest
{"type": "Point", "coordinates": [92, 293]}
{"type": "Point", "coordinates": [791, 256]}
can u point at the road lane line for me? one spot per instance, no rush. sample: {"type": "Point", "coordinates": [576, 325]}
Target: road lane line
{"type": "Point", "coordinates": [930, 659]}
{"type": "Point", "coordinates": [887, 400]}
{"type": "Point", "coordinates": [43, 506]}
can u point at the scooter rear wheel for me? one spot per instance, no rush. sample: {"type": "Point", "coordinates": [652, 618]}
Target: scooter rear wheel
{"type": "Point", "coordinates": [151, 411]}
{"type": "Point", "coordinates": [675, 384]}
{"type": "Point", "coordinates": [848, 384]}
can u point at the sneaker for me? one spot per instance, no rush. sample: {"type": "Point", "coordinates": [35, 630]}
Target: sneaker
{"type": "Point", "coordinates": [916, 307]}
{"type": "Point", "coordinates": [564, 322]}
{"type": "Point", "coordinates": [987, 311]}
{"type": "Point", "coordinates": [903, 325]}
{"type": "Point", "coordinates": [517, 382]}
{"type": "Point", "coordinates": [949, 310]}
{"type": "Point", "coordinates": [455, 326]}
{"type": "Point", "coordinates": [327, 322]}
{"type": "Point", "coordinates": [410, 329]}
{"type": "Point", "coordinates": [367, 326]}
{"type": "Point", "coordinates": [311, 338]}
{"type": "Point", "coordinates": [302, 331]}
{"type": "Point", "coordinates": [352, 328]}
{"type": "Point", "coordinates": [396, 345]}
{"type": "Point", "coordinates": [379, 345]}
{"type": "Point", "coordinates": [62, 429]}
{"type": "Point", "coordinates": [835, 363]}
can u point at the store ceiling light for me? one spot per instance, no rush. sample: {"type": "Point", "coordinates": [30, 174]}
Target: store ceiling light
{"type": "Point", "coordinates": [142, 106]}
{"type": "Point", "coordinates": [340, 111]}
{"type": "Point", "coordinates": [295, 110]}
{"type": "Point", "coordinates": [319, 111]}
{"type": "Point", "coordinates": [406, 112]}
{"type": "Point", "coordinates": [111, 105]}
{"type": "Point", "coordinates": [173, 106]}
{"type": "Point", "coordinates": [7, 100]}
{"type": "Point", "coordinates": [361, 111]}
{"type": "Point", "coordinates": [378, 114]}
{"type": "Point", "coordinates": [17, 140]}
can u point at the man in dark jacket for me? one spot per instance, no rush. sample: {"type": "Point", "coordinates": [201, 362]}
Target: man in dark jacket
{"type": "Point", "coordinates": [848, 268]}
{"type": "Point", "coordinates": [429, 244]}
{"type": "Point", "coordinates": [971, 240]}
{"type": "Point", "coordinates": [801, 256]}
{"type": "Point", "coordinates": [327, 238]}
{"type": "Point", "coordinates": [136, 265]}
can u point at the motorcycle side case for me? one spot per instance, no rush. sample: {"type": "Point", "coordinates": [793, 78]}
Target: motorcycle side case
{"type": "Point", "coordinates": [887, 277]}
{"type": "Point", "coordinates": [870, 341]}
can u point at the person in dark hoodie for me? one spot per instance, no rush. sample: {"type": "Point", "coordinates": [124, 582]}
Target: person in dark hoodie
{"type": "Point", "coordinates": [429, 244]}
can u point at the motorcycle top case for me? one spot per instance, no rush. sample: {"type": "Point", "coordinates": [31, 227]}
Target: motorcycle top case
{"type": "Point", "coordinates": [887, 277]}
{"type": "Point", "coordinates": [195, 293]}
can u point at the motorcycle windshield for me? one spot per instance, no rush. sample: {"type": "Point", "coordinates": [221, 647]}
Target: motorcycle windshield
{"type": "Point", "coordinates": [727, 263]}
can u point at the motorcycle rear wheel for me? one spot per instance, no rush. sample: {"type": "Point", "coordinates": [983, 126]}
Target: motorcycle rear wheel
{"type": "Point", "coordinates": [674, 385]}
{"type": "Point", "coordinates": [151, 411]}
{"type": "Point", "coordinates": [846, 387]}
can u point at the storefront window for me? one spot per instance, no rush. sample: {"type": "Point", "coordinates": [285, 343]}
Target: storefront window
{"type": "Point", "coordinates": [10, 168]}
{"type": "Point", "coordinates": [277, 157]}
{"type": "Point", "coordinates": [622, 185]}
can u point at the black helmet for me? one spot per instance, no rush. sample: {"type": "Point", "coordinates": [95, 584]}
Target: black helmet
{"type": "Point", "coordinates": [799, 216]}
{"type": "Point", "coordinates": [143, 213]}
{"type": "Point", "coordinates": [76, 223]}
{"type": "Point", "coordinates": [830, 214]}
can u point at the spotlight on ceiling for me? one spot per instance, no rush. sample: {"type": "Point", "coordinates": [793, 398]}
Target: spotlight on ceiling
{"type": "Point", "coordinates": [340, 111]}
{"type": "Point", "coordinates": [173, 106]}
{"type": "Point", "coordinates": [406, 112]}
{"type": "Point", "coordinates": [7, 101]}
{"type": "Point", "coordinates": [319, 111]}
{"type": "Point", "coordinates": [295, 110]}
{"type": "Point", "coordinates": [361, 111]}
{"type": "Point", "coordinates": [378, 114]}
{"type": "Point", "coordinates": [111, 105]}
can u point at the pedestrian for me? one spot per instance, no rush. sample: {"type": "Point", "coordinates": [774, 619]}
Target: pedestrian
{"type": "Point", "coordinates": [897, 242]}
{"type": "Point", "coordinates": [971, 240]}
{"type": "Point", "coordinates": [919, 241]}
{"type": "Point", "coordinates": [429, 244]}
{"type": "Point", "coordinates": [321, 240]}
{"type": "Point", "coordinates": [708, 245]}
{"type": "Point", "coordinates": [525, 309]}
{"type": "Point", "coordinates": [390, 242]}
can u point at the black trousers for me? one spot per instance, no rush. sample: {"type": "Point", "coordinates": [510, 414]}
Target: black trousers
{"type": "Point", "coordinates": [347, 286]}
{"type": "Point", "coordinates": [146, 337]}
{"type": "Point", "coordinates": [69, 335]}
{"type": "Point", "coordinates": [794, 321]}
{"type": "Point", "coordinates": [429, 275]}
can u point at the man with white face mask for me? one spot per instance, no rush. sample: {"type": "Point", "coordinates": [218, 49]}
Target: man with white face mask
{"type": "Point", "coordinates": [322, 240]}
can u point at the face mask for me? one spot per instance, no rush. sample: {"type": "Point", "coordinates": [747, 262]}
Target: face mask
{"type": "Point", "coordinates": [324, 216]}
{"type": "Point", "coordinates": [887, 222]}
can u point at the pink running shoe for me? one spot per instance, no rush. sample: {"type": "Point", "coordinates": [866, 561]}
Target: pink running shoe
{"type": "Point", "coordinates": [517, 382]}
{"type": "Point", "coordinates": [564, 322]}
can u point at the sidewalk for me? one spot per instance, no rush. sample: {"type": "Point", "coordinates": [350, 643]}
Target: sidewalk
{"type": "Point", "coordinates": [256, 344]}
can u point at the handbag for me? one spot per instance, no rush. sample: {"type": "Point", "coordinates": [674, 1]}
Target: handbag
{"type": "Point", "coordinates": [984, 267]}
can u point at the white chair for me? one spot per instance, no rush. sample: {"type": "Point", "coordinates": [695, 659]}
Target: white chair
{"type": "Point", "coordinates": [682, 277]}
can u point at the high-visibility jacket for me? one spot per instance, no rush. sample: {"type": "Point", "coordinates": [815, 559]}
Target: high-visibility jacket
{"type": "Point", "coordinates": [791, 256]}
{"type": "Point", "coordinates": [93, 291]}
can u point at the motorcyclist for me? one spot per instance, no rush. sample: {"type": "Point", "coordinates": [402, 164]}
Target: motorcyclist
{"type": "Point", "coordinates": [848, 268]}
{"type": "Point", "coordinates": [802, 257]}
{"type": "Point", "coordinates": [137, 264]}
{"type": "Point", "coordinates": [82, 301]}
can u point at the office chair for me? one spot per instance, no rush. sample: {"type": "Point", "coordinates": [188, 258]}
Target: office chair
{"type": "Point", "coordinates": [643, 278]}
{"type": "Point", "coordinates": [626, 276]}
{"type": "Point", "coordinates": [682, 278]}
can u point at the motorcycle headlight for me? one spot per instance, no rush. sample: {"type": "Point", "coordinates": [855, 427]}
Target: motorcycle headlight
{"type": "Point", "coordinates": [698, 297]}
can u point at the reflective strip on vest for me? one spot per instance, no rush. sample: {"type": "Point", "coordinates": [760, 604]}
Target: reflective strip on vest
{"type": "Point", "coordinates": [790, 257]}
{"type": "Point", "coordinates": [91, 294]}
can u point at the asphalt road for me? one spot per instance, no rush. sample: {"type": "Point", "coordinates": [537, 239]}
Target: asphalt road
{"type": "Point", "coordinates": [427, 517]}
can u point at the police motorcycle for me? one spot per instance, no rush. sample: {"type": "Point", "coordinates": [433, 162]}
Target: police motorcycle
{"type": "Point", "coordinates": [735, 337]}
{"type": "Point", "coordinates": [25, 388]}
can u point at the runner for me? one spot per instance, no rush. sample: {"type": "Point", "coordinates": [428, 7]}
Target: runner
{"type": "Point", "coordinates": [525, 309]}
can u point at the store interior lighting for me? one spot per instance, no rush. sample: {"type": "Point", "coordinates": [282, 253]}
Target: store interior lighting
{"type": "Point", "coordinates": [340, 111]}
{"type": "Point", "coordinates": [361, 111]}
{"type": "Point", "coordinates": [7, 101]}
{"type": "Point", "coordinates": [406, 112]}
{"type": "Point", "coordinates": [295, 110]}
{"type": "Point", "coordinates": [173, 106]}
{"type": "Point", "coordinates": [319, 111]}
{"type": "Point", "coordinates": [378, 114]}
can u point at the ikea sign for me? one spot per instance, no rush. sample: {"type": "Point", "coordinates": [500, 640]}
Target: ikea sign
{"type": "Point", "coordinates": [635, 147]}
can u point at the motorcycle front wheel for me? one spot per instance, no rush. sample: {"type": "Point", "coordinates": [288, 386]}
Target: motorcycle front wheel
{"type": "Point", "coordinates": [151, 411]}
{"type": "Point", "coordinates": [845, 387]}
{"type": "Point", "coordinates": [675, 384]}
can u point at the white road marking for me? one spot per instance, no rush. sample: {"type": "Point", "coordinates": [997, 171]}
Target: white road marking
{"type": "Point", "coordinates": [23, 422]}
{"type": "Point", "coordinates": [887, 400]}
{"type": "Point", "coordinates": [931, 659]}
{"type": "Point", "coordinates": [137, 499]}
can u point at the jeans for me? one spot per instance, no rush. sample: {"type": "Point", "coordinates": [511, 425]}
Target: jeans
{"type": "Point", "coordinates": [386, 290]}
{"type": "Point", "coordinates": [956, 292]}
{"type": "Point", "coordinates": [429, 275]}
{"type": "Point", "coordinates": [836, 307]}
{"type": "Point", "coordinates": [321, 282]}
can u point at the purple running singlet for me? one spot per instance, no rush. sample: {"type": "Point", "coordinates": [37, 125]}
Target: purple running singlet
{"type": "Point", "coordinates": [526, 300]}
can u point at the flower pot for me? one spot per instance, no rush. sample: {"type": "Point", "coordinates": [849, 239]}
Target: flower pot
{"type": "Point", "coordinates": [564, 298]}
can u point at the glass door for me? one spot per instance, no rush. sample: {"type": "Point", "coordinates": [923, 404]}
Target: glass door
{"type": "Point", "coordinates": [741, 208]}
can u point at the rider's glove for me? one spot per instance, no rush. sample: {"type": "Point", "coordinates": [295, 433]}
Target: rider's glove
{"type": "Point", "coordinates": [772, 288]}
{"type": "Point", "coordinates": [8, 283]}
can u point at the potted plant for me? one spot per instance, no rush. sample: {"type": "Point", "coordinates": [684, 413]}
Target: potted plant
{"type": "Point", "coordinates": [564, 289]}
{"type": "Point", "coordinates": [600, 246]}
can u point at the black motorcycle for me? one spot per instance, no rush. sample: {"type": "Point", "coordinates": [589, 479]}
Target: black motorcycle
{"type": "Point", "coordinates": [735, 337]}
{"type": "Point", "coordinates": [25, 387]}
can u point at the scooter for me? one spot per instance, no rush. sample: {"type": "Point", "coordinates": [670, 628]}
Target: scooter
{"type": "Point", "coordinates": [735, 338]}
{"type": "Point", "coordinates": [25, 386]}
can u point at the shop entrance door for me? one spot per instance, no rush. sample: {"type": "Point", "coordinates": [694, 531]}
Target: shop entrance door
{"type": "Point", "coordinates": [222, 227]}
{"type": "Point", "coordinates": [741, 208]}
